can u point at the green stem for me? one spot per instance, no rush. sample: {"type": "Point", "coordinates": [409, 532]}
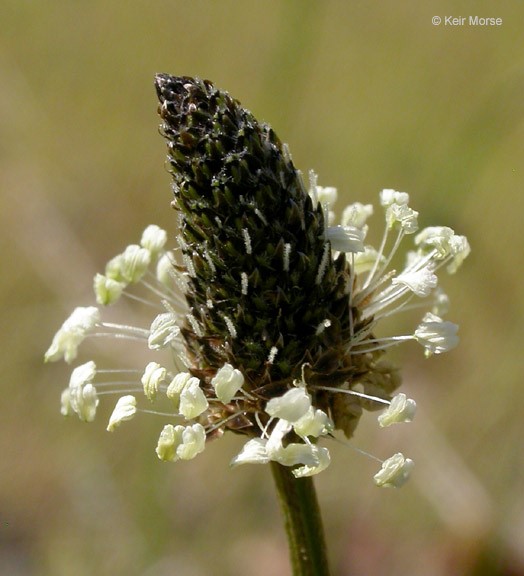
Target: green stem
{"type": "Point", "coordinates": [303, 521]}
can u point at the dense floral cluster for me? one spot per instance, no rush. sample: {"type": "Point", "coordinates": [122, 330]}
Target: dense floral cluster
{"type": "Point", "coordinates": [268, 308]}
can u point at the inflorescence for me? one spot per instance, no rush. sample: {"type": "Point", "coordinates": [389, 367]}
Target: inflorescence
{"type": "Point", "coordinates": [268, 310]}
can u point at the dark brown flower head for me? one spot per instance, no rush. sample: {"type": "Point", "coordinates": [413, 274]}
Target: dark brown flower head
{"type": "Point", "coordinates": [264, 291]}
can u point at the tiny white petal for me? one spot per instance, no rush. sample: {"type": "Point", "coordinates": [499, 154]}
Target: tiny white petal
{"type": "Point", "coordinates": [167, 444]}
{"type": "Point", "coordinates": [165, 270]}
{"type": "Point", "coordinates": [315, 423]}
{"type": "Point", "coordinates": [113, 268]}
{"type": "Point", "coordinates": [346, 238]}
{"type": "Point", "coordinates": [83, 399]}
{"type": "Point", "coordinates": [436, 335]}
{"type": "Point", "coordinates": [180, 442]}
{"type": "Point", "coordinates": [274, 442]}
{"type": "Point", "coordinates": [163, 331]}
{"type": "Point", "coordinates": [326, 195]}
{"type": "Point", "coordinates": [389, 197]}
{"type": "Point", "coordinates": [253, 452]}
{"type": "Point", "coordinates": [107, 290]}
{"type": "Point", "coordinates": [323, 460]}
{"type": "Point", "coordinates": [72, 333]}
{"type": "Point", "coordinates": [227, 382]}
{"type": "Point", "coordinates": [438, 238]}
{"type": "Point", "coordinates": [135, 261]}
{"type": "Point", "coordinates": [153, 239]}
{"type": "Point", "coordinates": [82, 318]}
{"type": "Point", "coordinates": [401, 409]}
{"type": "Point", "coordinates": [154, 375]}
{"type": "Point", "coordinates": [193, 442]}
{"type": "Point", "coordinates": [460, 250]}
{"type": "Point", "coordinates": [82, 374]}
{"type": "Point", "coordinates": [295, 453]}
{"type": "Point", "coordinates": [192, 399]}
{"type": "Point", "coordinates": [421, 282]}
{"type": "Point", "coordinates": [402, 215]}
{"type": "Point", "coordinates": [313, 458]}
{"type": "Point", "coordinates": [356, 214]}
{"type": "Point", "coordinates": [85, 402]}
{"type": "Point", "coordinates": [129, 266]}
{"type": "Point", "coordinates": [65, 345]}
{"type": "Point", "coordinates": [176, 386]}
{"type": "Point", "coordinates": [290, 406]}
{"type": "Point", "coordinates": [395, 471]}
{"type": "Point", "coordinates": [124, 410]}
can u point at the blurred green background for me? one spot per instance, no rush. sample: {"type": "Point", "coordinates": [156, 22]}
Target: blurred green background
{"type": "Point", "coordinates": [370, 95]}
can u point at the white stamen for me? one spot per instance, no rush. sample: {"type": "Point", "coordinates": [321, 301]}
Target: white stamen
{"type": "Point", "coordinates": [230, 326]}
{"type": "Point", "coordinates": [285, 256]}
{"type": "Point", "coordinates": [261, 216]}
{"type": "Point", "coordinates": [188, 263]}
{"type": "Point", "coordinates": [194, 324]}
{"type": "Point", "coordinates": [180, 241]}
{"type": "Point", "coordinates": [323, 264]}
{"type": "Point", "coordinates": [123, 329]}
{"type": "Point", "coordinates": [322, 326]}
{"type": "Point", "coordinates": [394, 471]}
{"type": "Point", "coordinates": [227, 382]}
{"type": "Point", "coordinates": [244, 283]}
{"type": "Point", "coordinates": [210, 262]}
{"type": "Point", "coordinates": [286, 152]}
{"type": "Point", "coordinates": [353, 393]}
{"type": "Point", "coordinates": [272, 355]}
{"type": "Point", "coordinates": [247, 240]}
{"type": "Point", "coordinates": [313, 179]}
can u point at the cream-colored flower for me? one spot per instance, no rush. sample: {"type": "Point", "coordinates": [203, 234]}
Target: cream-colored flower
{"type": "Point", "coordinates": [125, 409]}
{"type": "Point", "coordinates": [72, 333]}
{"type": "Point", "coordinates": [394, 472]}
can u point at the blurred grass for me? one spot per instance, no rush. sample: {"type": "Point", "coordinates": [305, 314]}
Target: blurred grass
{"type": "Point", "coordinates": [370, 95]}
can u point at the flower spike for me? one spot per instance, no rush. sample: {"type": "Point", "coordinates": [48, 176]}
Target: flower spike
{"type": "Point", "coordinates": [267, 311]}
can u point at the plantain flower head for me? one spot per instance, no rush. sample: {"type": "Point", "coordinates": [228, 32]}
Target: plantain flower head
{"type": "Point", "coordinates": [265, 310]}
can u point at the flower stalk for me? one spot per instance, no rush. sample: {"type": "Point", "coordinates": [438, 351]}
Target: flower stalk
{"type": "Point", "coordinates": [303, 522]}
